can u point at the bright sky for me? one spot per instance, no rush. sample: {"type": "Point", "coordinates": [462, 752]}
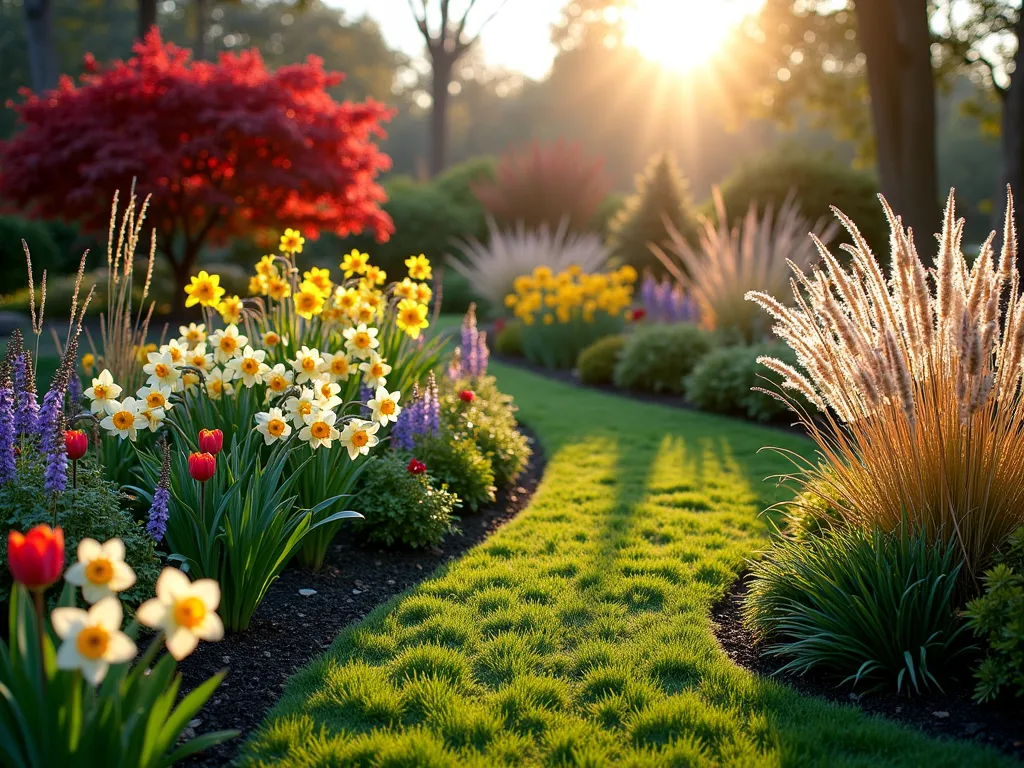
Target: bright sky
{"type": "Point", "coordinates": [680, 34]}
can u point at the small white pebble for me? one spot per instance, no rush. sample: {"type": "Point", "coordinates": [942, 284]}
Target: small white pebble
{"type": "Point", "coordinates": [307, 592]}
{"type": "Point", "coordinates": [357, 591]}
{"type": "Point", "coordinates": [941, 715]}
{"type": "Point", "coordinates": [195, 723]}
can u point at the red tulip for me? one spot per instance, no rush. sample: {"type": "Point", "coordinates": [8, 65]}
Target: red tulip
{"type": "Point", "coordinates": [76, 443]}
{"type": "Point", "coordinates": [416, 467]}
{"type": "Point", "coordinates": [211, 441]}
{"type": "Point", "coordinates": [636, 314]}
{"type": "Point", "coordinates": [36, 559]}
{"type": "Point", "coordinates": [202, 466]}
{"type": "Point", "coordinates": [467, 396]}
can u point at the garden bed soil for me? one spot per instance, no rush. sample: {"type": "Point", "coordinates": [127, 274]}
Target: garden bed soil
{"type": "Point", "coordinates": [951, 715]}
{"type": "Point", "coordinates": [289, 629]}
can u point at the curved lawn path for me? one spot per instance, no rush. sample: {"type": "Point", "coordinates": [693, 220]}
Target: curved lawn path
{"type": "Point", "coordinates": [579, 634]}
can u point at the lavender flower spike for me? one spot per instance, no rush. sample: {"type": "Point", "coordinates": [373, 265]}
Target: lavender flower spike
{"type": "Point", "coordinates": [8, 467]}
{"type": "Point", "coordinates": [432, 406]}
{"type": "Point", "coordinates": [158, 512]}
{"type": "Point", "coordinates": [27, 409]}
{"type": "Point", "coordinates": [51, 424]}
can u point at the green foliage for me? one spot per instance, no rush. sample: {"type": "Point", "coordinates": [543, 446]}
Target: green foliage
{"type": "Point", "coordinates": [509, 340]}
{"type": "Point", "coordinates": [724, 380]}
{"type": "Point", "coordinates": [13, 270]}
{"type": "Point", "coordinates": [490, 422]}
{"type": "Point", "coordinates": [660, 191]}
{"type": "Point", "coordinates": [558, 345]}
{"type": "Point", "coordinates": [819, 183]}
{"type": "Point", "coordinates": [877, 607]}
{"type": "Point", "coordinates": [657, 358]}
{"type": "Point", "coordinates": [813, 512]}
{"type": "Point", "coordinates": [457, 182]}
{"type": "Point", "coordinates": [460, 466]}
{"type": "Point", "coordinates": [91, 510]}
{"type": "Point", "coordinates": [402, 507]}
{"type": "Point", "coordinates": [997, 616]}
{"type": "Point", "coordinates": [456, 293]}
{"type": "Point", "coordinates": [596, 363]}
{"type": "Point", "coordinates": [606, 213]}
{"type": "Point", "coordinates": [51, 717]}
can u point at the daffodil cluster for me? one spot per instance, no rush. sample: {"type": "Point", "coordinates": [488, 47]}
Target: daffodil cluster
{"type": "Point", "coordinates": [571, 295]}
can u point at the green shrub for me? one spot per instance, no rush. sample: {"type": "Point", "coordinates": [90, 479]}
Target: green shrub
{"type": "Point", "coordinates": [819, 182]}
{"type": "Point", "coordinates": [998, 617]}
{"type": "Point", "coordinates": [877, 607]}
{"type": "Point", "coordinates": [490, 422]}
{"type": "Point", "coordinates": [509, 340]}
{"type": "Point", "coordinates": [457, 184]}
{"type": "Point", "coordinates": [660, 191]}
{"type": "Point", "coordinates": [13, 271]}
{"type": "Point", "coordinates": [606, 213]}
{"type": "Point", "coordinates": [724, 382]}
{"type": "Point", "coordinates": [658, 357]}
{"type": "Point", "coordinates": [461, 466]}
{"type": "Point", "coordinates": [92, 510]}
{"type": "Point", "coordinates": [403, 507]}
{"type": "Point", "coordinates": [596, 363]}
{"type": "Point", "coordinates": [456, 294]}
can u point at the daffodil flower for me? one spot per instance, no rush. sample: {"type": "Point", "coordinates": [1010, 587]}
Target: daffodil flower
{"type": "Point", "coordinates": [184, 610]}
{"type": "Point", "coordinates": [92, 640]}
{"type": "Point", "coordinates": [101, 570]}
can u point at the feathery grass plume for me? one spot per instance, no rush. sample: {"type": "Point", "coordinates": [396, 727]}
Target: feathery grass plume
{"type": "Point", "coordinates": [732, 260]}
{"type": "Point", "coordinates": [919, 384]}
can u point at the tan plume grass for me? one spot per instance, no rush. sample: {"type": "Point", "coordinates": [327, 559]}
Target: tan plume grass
{"type": "Point", "coordinates": [917, 375]}
{"type": "Point", "coordinates": [731, 260]}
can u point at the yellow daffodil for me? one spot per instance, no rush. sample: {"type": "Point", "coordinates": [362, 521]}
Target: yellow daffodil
{"type": "Point", "coordinates": [230, 309]}
{"type": "Point", "coordinates": [374, 275]}
{"type": "Point", "coordinates": [258, 285]}
{"type": "Point", "coordinates": [278, 289]}
{"type": "Point", "coordinates": [419, 267]}
{"type": "Point", "coordinates": [266, 267]}
{"type": "Point", "coordinates": [291, 241]}
{"type": "Point", "coordinates": [205, 290]}
{"type": "Point", "coordinates": [88, 363]}
{"type": "Point", "coordinates": [321, 278]}
{"type": "Point", "coordinates": [309, 301]}
{"type": "Point", "coordinates": [412, 317]}
{"type": "Point", "coordinates": [192, 334]}
{"type": "Point", "coordinates": [354, 263]}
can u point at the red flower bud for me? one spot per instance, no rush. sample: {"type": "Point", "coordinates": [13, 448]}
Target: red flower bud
{"type": "Point", "coordinates": [36, 559]}
{"type": "Point", "coordinates": [467, 396]}
{"type": "Point", "coordinates": [417, 467]}
{"type": "Point", "coordinates": [201, 466]}
{"type": "Point", "coordinates": [211, 441]}
{"type": "Point", "coordinates": [76, 443]}
{"type": "Point", "coordinates": [636, 314]}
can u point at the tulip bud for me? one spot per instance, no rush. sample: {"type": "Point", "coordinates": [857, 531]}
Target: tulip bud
{"type": "Point", "coordinates": [211, 441]}
{"type": "Point", "coordinates": [36, 559]}
{"type": "Point", "coordinates": [202, 466]}
{"type": "Point", "coordinates": [76, 443]}
{"type": "Point", "coordinates": [467, 396]}
{"type": "Point", "coordinates": [416, 467]}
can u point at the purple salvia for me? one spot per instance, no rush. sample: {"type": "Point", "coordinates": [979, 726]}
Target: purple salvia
{"type": "Point", "coordinates": [8, 467]}
{"type": "Point", "coordinates": [74, 392]}
{"type": "Point", "coordinates": [27, 405]}
{"type": "Point", "coordinates": [404, 430]}
{"type": "Point", "coordinates": [51, 426]}
{"type": "Point", "coordinates": [159, 511]}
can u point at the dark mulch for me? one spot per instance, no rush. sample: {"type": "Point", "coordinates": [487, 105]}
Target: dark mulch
{"type": "Point", "coordinates": [289, 630]}
{"type": "Point", "coordinates": [952, 715]}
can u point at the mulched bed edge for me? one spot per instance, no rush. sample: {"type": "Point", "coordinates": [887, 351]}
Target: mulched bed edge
{"type": "Point", "coordinates": [954, 715]}
{"type": "Point", "coordinates": [289, 630]}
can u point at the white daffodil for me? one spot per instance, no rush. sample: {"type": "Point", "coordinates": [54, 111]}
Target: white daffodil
{"type": "Point", "coordinates": [154, 418]}
{"type": "Point", "coordinates": [272, 339]}
{"type": "Point", "coordinates": [249, 368]}
{"type": "Point", "coordinates": [176, 350]}
{"type": "Point", "coordinates": [125, 418]}
{"type": "Point", "coordinates": [375, 371]}
{"type": "Point", "coordinates": [277, 379]}
{"type": "Point", "coordinates": [102, 392]}
{"type": "Point", "coordinates": [359, 437]}
{"type": "Point", "coordinates": [157, 396]}
{"type": "Point", "coordinates": [300, 407]}
{"type": "Point", "coordinates": [307, 364]}
{"type": "Point", "coordinates": [101, 570]}
{"type": "Point", "coordinates": [199, 358]}
{"type": "Point", "coordinates": [92, 640]}
{"type": "Point", "coordinates": [184, 610]}
{"type": "Point", "coordinates": [161, 369]}
{"type": "Point", "coordinates": [337, 366]}
{"type": "Point", "coordinates": [218, 383]}
{"type": "Point", "coordinates": [319, 428]}
{"type": "Point", "coordinates": [361, 341]}
{"type": "Point", "coordinates": [226, 343]}
{"type": "Point", "coordinates": [192, 334]}
{"type": "Point", "coordinates": [327, 393]}
{"type": "Point", "coordinates": [384, 406]}
{"type": "Point", "coordinates": [272, 425]}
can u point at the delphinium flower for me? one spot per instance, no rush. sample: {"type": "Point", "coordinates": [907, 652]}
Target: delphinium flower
{"type": "Point", "coordinates": [468, 345]}
{"type": "Point", "coordinates": [365, 395]}
{"type": "Point", "coordinates": [74, 393]}
{"type": "Point", "coordinates": [7, 436]}
{"type": "Point", "coordinates": [483, 354]}
{"type": "Point", "coordinates": [158, 512]}
{"type": "Point", "coordinates": [27, 411]}
{"type": "Point", "coordinates": [432, 407]}
{"type": "Point", "coordinates": [50, 423]}
{"type": "Point", "coordinates": [404, 431]}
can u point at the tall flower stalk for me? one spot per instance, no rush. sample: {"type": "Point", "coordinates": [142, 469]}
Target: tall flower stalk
{"type": "Point", "coordinates": [159, 511]}
{"type": "Point", "coordinates": [8, 467]}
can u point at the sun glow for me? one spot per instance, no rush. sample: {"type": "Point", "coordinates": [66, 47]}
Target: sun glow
{"type": "Point", "coordinates": [683, 35]}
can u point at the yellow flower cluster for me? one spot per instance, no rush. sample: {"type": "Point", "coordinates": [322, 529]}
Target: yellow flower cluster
{"type": "Point", "coordinates": [570, 295]}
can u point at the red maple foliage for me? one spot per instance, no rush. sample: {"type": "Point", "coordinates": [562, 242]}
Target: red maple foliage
{"type": "Point", "coordinates": [224, 148]}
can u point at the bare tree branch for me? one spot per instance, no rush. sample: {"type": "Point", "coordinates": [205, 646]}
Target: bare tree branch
{"type": "Point", "coordinates": [421, 21]}
{"type": "Point", "coordinates": [486, 21]}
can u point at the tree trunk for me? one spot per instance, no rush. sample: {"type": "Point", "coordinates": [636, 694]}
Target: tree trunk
{"type": "Point", "coordinates": [896, 40]}
{"type": "Point", "coordinates": [202, 15]}
{"type": "Point", "coordinates": [1012, 145]}
{"type": "Point", "coordinates": [42, 57]}
{"type": "Point", "coordinates": [146, 17]}
{"type": "Point", "coordinates": [441, 67]}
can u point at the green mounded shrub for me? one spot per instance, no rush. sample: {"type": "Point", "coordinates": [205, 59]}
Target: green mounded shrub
{"type": "Point", "coordinates": [460, 466]}
{"type": "Point", "coordinates": [596, 363]}
{"type": "Point", "coordinates": [998, 617]}
{"type": "Point", "coordinates": [877, 608]}
{"type": "Point", "coordinates": [658, 357]}
{"type": "Point", "coordinates": [509, 340]}
{"type": "Point", "coordinates": [606, 213]}
{"type": "Point", "coordinates": [91, 510]}
{"type": "Point", "coordinates": [457, 184]}
{"type": "Point", "coordinates": [724, 381]}
{"type": "Point", "coordinates": [402, 507]}
{"type": "Point", "coordinates": [660, 191]}
{"type": "Point", "coordinates": [488, 421]}
{"type": "Point", "coordinates": [456, 294]}
{"type": "Point", "coordinates": [819, 183]}
{"type": "Point", "coordinates": [13, 271]}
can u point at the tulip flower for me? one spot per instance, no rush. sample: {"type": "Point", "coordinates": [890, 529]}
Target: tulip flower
{"type": "Point", "coordinates": [36, 559]}
{"type": "Point", "coordinates": [211, 441]}
{"type": "Point", "coordinates": [467, 396]}
{"type": "Point", "coordinates": [76, 442]}
{"type": "Point", "coordinates": [201, 466]}
{"type": "Point", "coordinates": [416, 467]}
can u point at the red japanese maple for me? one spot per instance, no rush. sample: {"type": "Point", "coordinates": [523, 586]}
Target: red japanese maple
{"type": "Point", "coordinates": [224, 148]}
